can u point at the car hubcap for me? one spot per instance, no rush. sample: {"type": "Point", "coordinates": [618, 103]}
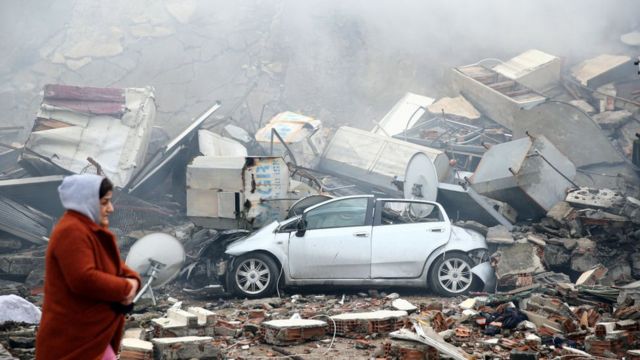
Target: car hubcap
{"type": "Point", "coordinates": [252, 276]}
{"type": "Point", "coordinates": [454, 275]}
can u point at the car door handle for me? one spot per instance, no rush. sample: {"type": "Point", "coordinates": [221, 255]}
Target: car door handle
{"type": "Point", "coordinates": [437, 230]}
{"type": "Point", "coordinates": [361, 234]}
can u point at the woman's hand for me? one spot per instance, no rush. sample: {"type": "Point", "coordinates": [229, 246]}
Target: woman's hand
{"type": "Point", "coordinates": [134, 289]}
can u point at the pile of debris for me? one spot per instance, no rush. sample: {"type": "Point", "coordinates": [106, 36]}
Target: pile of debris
{"type": "Point", "coordinates": [506, 157]}
{"type": "Point", "coordinates": [542, 320]}
{"type": "Point", "coordinates": [590, 229]}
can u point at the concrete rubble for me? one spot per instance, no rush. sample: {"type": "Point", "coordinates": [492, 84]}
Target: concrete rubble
{"type": "Point", "coordinates": [538, 156]}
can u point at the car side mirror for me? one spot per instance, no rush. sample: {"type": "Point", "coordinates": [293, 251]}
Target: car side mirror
{"type": "Point", "coordinates": [301, 226]}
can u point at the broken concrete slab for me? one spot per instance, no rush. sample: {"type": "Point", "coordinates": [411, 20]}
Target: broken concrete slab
{"type": "Point", "coordinates": [619, 272]}
{"type": "Point", "coordinates": [566, 127]}
{"type": "Point", "coordinates": [293, 331]}
{"type": "Point", "coordinates": [381, 322]}
{"type": "Point", "coordinates": [520, 258]}
{"type": "Point", "coordinates": [188, 347]}
{"type": "Point", "coordinates": [555, 255]}
{"type": "Point", "coordinates": [585, 197]}
{"type": "Point", "coordinates": [431, 338]}
{"type": "Point", "coordinates": [631, 209]}
{"type": "Point", "coordinates": [536, 240]}
{"type": "Point", "coordinates": [136, 349]}
{"type": "Point", "coordinates": [583, 256]}
{"type": "Point", "coordinates": [196, 321]}
{"type": "Point", "coordinates": [602, 69]}
{"type": "Point", "coordinates": [533, 68]}
{"type": "Point", "coordinates": [457, 108]}
{"type": "Point", "coordinates": [403, 305]}
{"type": "Point", "coordinates": [611, 120]}
{"type": "Point", "coordinates": [499, 235]}
{"type": "Point", "coordinates": [560, 211]}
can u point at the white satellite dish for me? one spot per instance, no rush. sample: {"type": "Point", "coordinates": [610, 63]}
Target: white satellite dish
{"type": "Point", "coordinates": [420, 183]}
{"type": "Point", "coordinates": [158, 258]}
{"type": "Point", "coordinates": [420, 178]}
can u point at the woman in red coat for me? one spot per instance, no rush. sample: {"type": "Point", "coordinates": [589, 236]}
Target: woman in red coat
{"type": "Point", "coordinates": [86, 283]}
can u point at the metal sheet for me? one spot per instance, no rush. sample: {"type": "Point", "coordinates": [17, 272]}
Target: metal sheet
{"type": "Point", "coordinates": [216, 172]}
{"type": "Point", "coordinates": [156, 169]}
{"type": "Point", "coordinates": [530, 174]}
{"type": "Point", "coordinates": [404, 114]}
{"type": "Point", "coordinates": [212, 144]}
{"type": "Point", "coordinates": [37, 192]}
{"type": "Point", "coordinates": [466, 204]}
{"type": "Point", "coordinates": [87, 127]}
{"type": "Point", "coordinates": [375, 159]}
{"type": "Point", "coordinates": [24, 222]}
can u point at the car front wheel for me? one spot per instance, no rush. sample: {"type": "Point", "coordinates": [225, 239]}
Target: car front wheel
{"type": "Point", "coordinates": [254, 275]}
{"type": "Point", "coordinates": [451, 274]}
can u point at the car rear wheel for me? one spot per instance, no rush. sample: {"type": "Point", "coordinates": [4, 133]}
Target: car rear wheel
{"type": "Point", "coordinates": [451, 274]}
{"type": "Point", "coordinates": [254, 275]}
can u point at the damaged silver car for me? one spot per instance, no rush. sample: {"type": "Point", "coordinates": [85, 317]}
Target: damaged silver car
{"type": "Point", "coordinates": [360, 241]}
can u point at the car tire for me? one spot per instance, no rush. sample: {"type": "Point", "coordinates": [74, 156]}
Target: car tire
{"type": "Point", "coordinates": [254, 275]}
{"type": "Point", "coordinates": [450, 275]}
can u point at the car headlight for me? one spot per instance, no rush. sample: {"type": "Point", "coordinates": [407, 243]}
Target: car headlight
{"type": "Point", "coordinates": [479, 256]}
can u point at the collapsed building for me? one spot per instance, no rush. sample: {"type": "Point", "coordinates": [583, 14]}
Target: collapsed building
{"type": "Point", "coordinates": [540, 159]}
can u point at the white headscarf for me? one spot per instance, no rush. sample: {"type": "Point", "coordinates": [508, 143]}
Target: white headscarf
{"type": "Point", "coordinates": [81, 193]}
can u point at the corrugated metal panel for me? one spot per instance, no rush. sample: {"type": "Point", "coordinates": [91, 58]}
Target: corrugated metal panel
{"type": "Point", "coordinates": [24, 222]}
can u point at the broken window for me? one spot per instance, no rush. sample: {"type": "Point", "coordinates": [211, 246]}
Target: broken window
{"type": "Point", "coordinates": [403, 212]}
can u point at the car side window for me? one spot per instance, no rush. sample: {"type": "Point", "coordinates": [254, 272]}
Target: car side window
{"type": "Point", "coordinates": [340, 213]}
{"type": "Point", "coordinates": [405, 212]}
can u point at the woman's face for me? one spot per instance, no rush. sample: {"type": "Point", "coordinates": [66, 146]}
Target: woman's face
{"type": "Point", "coordinates": [106, 208]}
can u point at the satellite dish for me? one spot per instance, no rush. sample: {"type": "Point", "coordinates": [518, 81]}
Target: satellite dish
{"type": "Point", "coordinates": [420, 178]}
{"type": "Point", "coordinates": [420, 183]}
{"type": "Point", "coordinates": [158, 258]}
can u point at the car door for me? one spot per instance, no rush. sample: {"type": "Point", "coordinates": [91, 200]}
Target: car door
{"type": "Point", "coordinates": [336, 243]}
{"type": "Point", "coordinates": [404, 234]}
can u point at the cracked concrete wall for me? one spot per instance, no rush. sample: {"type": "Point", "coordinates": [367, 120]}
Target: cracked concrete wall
{"type": "Point", "coordinates": [346, 63]}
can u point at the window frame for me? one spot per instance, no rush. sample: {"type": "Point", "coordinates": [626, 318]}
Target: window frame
{"type": "Point", "coordinates": [381, 202]}
{"type": "Point", "coordinates": [368, 218]}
